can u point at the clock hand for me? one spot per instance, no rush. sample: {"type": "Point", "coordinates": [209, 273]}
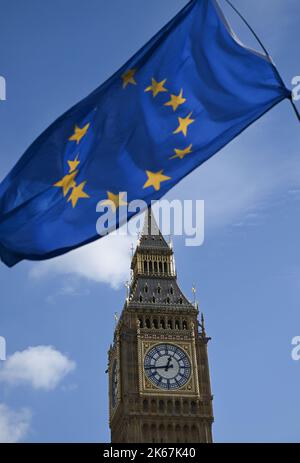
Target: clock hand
{"type": "Point", "coordinates": [168, 364]}
{"type": "Point", "coordinates": [156, 368]}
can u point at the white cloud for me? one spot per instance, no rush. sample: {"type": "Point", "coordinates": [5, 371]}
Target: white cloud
{"type": "Point", "coordinates": [42, 367]}
{"type": "Point", "coordinates": [14, 425]}
{"type": "Point", "coordinates": [70, 287]}
{"type": "Point", "coordinates": [104, 261]}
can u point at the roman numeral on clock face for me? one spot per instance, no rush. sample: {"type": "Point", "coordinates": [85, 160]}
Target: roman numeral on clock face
{"type": "Point", "coordinates": [167, 366]}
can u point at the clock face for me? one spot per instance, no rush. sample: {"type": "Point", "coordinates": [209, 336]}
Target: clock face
{"type": "Point", "coordinates": [167, 366]}
{"type": "Point", "coordinates": [114, 383]}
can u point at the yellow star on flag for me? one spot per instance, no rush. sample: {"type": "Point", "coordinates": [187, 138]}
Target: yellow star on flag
{"type": "Point", "coordinates": [183, 124]}
{"type": "Point", "coordinates": [182, 153]}
{"type": "Point", "coordinates": [155, 179]}
{"type": "Point", "coordinates": [79, 133]}
{"type": "Point", "coordinates": [176, 100]}
{"type": "Point", "coordinates": [73, 164]}
{"type": "Point", "coordinates": [78, 193]}
{"type": "Point", "coordinates": [156, 87]}
{"type": "Point", "coordinates": [128, 77]}
{"type": "Point", "coordinates": [114, 200]}
{"type": "Point", "coordinates": [67, 182]}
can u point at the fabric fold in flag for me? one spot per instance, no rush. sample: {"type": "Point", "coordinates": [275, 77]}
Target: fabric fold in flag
{"type": "Point", "coordinates": [186, 94]}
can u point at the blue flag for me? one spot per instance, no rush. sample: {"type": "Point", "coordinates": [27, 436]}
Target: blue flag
{"type": "Point", "coordinates": [188, 92]}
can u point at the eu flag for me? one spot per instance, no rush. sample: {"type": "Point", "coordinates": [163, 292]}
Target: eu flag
{"type": "Point", "coordinates": [189, 91]}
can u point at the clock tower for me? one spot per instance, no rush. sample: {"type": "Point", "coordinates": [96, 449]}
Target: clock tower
{"type": "Point", "coordinates": [159, 383]}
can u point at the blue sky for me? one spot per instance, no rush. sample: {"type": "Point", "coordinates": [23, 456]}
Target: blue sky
{"type": "Point", "coordinates": [247, 272]}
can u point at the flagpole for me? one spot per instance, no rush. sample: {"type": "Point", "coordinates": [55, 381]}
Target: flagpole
{"type": "Point", "coordinates": [295, 108]}
{"type": "Point", "coordinates": [265, 50]}
{"type": "Point", "coordinates": [249, 27]}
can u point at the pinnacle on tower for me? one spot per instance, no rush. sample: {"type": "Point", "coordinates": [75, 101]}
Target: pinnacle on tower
{"type": "Point", "coordinates": [151, 236]}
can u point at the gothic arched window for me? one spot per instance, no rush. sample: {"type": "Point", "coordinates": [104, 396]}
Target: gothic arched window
{"type": "Point", "coordinates": [194, 433]}
{"type": "Point", "coordinates": [177, 433]}
{"type": "Point", "coordinates": [186, 433]}
{"type": "Point", "coordinates": [161, 433]}
{"type": "Point", "coordinates": [170, 433]}
{"type": "Point", "coordinates": [185, 406]}
{"type": "Point", "coordinates": [153, 432]}
{"type": "Point", "coordinates": [153, 405]}
{"type": "Point", "coordinates": [145, 405]}
{"type": "Point", "coordinates": [161, 406]}
{"type": "Point", "coordinates": [193, 407]}
{"type": "Point", "coordinates": [145, 431]}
